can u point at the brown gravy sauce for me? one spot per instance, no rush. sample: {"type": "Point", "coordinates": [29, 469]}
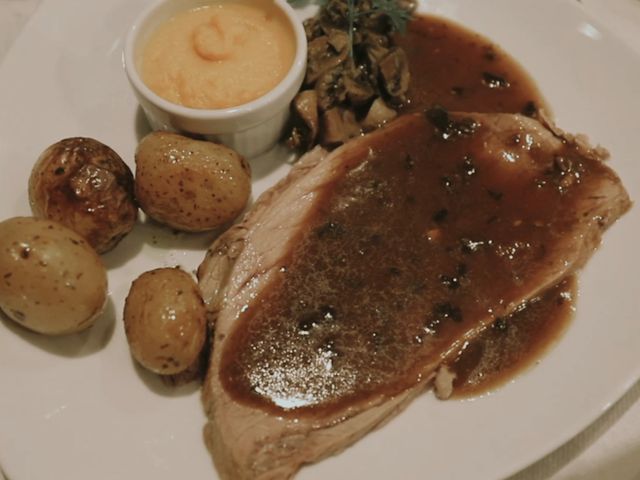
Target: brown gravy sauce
{"type": "Point", "coordinates": [297, 353]}
{"type": "Point", "coordinates": [461, 70]}
{"type": "Point", "coordinates": [514, 343]}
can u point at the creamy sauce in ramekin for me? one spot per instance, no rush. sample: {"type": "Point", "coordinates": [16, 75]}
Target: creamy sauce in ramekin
{"type": "Point", "coordinates": [219, 56]}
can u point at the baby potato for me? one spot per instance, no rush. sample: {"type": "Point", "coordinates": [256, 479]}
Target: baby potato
{"type": "Point", "coordinates": [86, 186]}
{"type": "Point", "coordinates": [51, 280]}
{"type": "Point", "coordinates": [190, 185]}
{"type": "Point", "coordinates": [165, 320]}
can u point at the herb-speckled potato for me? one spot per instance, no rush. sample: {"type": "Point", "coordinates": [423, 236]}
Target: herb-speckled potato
{"type": "Point", "coordinates": [86, 186]}
{"type": "Point", "coordinates": [190, 185]}
{"type": "Point", "coordinates": [51, 280]}
{"type": "Point", "coordinates": [165, 320]}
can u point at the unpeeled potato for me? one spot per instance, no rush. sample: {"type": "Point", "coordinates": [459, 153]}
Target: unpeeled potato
{"type": "Point", "coordinates": [165, 320]}
{"type": "Point", "coordinates": [86, 186]}
{"type": "Point", "coordinates": [51, 280]}
{"type": "Point", "coordinates": [190, 185]}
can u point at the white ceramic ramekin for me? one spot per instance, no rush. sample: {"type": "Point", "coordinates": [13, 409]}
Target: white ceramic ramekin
{"type": "Point", "coordinates": [251, 128]}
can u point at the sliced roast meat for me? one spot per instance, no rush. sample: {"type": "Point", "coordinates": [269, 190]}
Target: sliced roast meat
{"type": "Point", "coordinates": [348, 283]}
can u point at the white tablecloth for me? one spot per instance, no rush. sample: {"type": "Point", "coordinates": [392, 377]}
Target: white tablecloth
{"type": "Point", "coordinates": [610, 447]}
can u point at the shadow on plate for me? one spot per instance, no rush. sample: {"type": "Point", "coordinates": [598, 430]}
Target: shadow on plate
{"type": "Point", "coordinates": [149, 232]}
{"type": "Point", "coordinates": [163, 237]}
{"type": "Point", "coordinates": [302, 3]}
{"type": "Point", "coordinates": [141, 124]}
{"type": "Point", "coordinates": [128, 248]}
{"type": "Point", "coordinates": [81, 344]}
{"type": "Point", "coordinates": [165, 387]}
{"type": "Point", "coordinates": [265, 164]}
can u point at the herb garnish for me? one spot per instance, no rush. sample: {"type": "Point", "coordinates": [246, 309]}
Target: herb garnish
{"type": "Point", "coordinates": [397, 14]}
{"type": "Point", "coordinates": [357, 76]}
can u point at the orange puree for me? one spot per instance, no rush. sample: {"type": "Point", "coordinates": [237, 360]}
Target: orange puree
{"type": "Point", "coordinates": [219, 56]}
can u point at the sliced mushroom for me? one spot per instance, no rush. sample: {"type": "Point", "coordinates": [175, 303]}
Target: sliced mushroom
{"type": "Point", "coordinates": [306, 105]}
{"type": "Point", "coordinates": [373, 55]}
{"type": "Point", "coordinates": [359, 76]}
{"type": "Point", "coordinates": [379, 113]}
{"type": "Point", "coordinates": [322, 56]}
{"type": "Point", "coordinates": [394, 73]}
{"type": "Point", "coordinates": [330, 89]}
{"type": "Point", "coordinates": [306, 122]}
{"type": "Point", "coordinates": [296, 138]}
{"type": "Point", "coordinates": [312, 28]}
{"type": "Point", "coordinates": [372, 39]}
{"type": "Point", "coordinates": [358, 87]}
{"type": "Point", "coordinates": [376, 22]}
{"type": "Point", "coordinates": [339, 40]}
{"type": "Point", "coordinates": [338, 126]}
{"type": "Point", "coordinates": [335, 14]}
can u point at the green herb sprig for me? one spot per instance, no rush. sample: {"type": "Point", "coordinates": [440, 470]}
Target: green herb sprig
{"type": "Point", "coordinates": [397, 15]}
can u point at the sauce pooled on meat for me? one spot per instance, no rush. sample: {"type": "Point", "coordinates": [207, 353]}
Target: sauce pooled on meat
{"type": "Point", "coordinates": [424, 239]}
{"type": "Point", "coordinates": [514, 342]}
{"type": "Point", "coordinates": [419, 231]}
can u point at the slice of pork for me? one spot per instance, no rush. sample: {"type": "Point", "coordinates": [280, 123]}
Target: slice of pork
{"type": "Point", "coordinates": [469, 165]}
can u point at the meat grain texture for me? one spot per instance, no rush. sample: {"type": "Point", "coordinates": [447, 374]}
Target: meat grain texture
{"type": "Point", "coordinates": [252, 438]}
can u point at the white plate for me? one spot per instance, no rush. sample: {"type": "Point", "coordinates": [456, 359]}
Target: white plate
{"type": "Point", "coordinates": [77, 408]}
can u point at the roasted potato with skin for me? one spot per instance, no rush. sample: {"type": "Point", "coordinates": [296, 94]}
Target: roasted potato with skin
{"type": "Point", "coordinates": [51, 280]}
{"type": "Point", "coordinates": [190, 185]}
{"type": "Point", "coordinates": [165, 320]}
{"type": "Point", "coordinates": [86, 186]}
